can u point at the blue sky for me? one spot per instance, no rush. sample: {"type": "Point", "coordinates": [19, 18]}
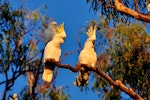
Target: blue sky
{"type": "Point", "coordinates": [75, 14]}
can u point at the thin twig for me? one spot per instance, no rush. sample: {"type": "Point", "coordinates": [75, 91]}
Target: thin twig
{"type": "Point", "coordinates": [136, 6]}
{"type": "Point", "coordinates": [109, 6]}
{"type": "Point", "coordinates": [68, 53]}
{"type": "Point", "coordinates": [78, 40]}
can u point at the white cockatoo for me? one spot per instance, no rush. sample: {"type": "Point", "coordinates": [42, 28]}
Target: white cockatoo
{"type": "Point", "coordinates": [53, 51]}
{"type": "Point", "coordinates": [87, 56]}
{"type": "Point", "coordinates": [13, 97]}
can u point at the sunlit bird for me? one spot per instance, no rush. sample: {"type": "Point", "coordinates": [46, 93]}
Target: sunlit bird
{"type": "Point", "coordinates": [87, 56]}
{"type": "Point", "coordinates": [53, 51]}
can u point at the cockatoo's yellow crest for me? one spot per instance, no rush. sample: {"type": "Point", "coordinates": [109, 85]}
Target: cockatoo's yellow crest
{"type": "Point", "coordinates": [60, 28]}
{"type": "Point", "coordinates": [91, 31]}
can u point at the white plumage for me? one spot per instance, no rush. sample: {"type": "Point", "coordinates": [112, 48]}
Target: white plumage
{"type": "Point", "coordinates": [148, 7]}
{"type": "Point", "coordinates": [87, 56]}
{"type": "Point", "coordinates": [53, 51]}
{"type": "Point", "coordinates": [13, 97]}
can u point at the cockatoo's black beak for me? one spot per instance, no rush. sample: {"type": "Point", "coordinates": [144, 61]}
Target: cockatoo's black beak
{"type": "Point", "coordinates": [93, 42]}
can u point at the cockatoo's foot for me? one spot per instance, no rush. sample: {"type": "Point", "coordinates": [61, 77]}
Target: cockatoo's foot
{"type": "Point", "coordinates": [49, 65]}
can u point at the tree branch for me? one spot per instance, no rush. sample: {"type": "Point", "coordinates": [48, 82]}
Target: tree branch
{"type": "Point", "coordinates": [136, 6]}
{"type": "Point", "coordinates": [137, 15]}
{"type": "Point", "coordinates": [116, 83]}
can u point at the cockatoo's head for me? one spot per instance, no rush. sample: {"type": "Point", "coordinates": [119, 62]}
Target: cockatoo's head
{"type": "Point", "coordinates": [92, 33]}
{"type": "Point", "coordinates": [60, 31]}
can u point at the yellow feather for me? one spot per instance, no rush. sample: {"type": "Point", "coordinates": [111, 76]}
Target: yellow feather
{"type": "Point", "coordinates": [91, 31]}
{"type": "Point", "coordinates": [60, 28]}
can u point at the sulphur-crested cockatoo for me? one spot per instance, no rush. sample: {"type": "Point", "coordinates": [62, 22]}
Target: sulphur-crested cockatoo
{"type": "Point", "coordinates": [13, 97]}
{"type": "Point", "coordinates": [87, 56]}
{"type": "Point", "coordinates": [53, 51]}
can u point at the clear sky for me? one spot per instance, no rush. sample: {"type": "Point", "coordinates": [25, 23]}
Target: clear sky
{"type": "Point", "coordinates": [75, 14]}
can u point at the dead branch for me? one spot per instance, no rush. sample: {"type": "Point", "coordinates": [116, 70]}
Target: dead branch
{"type": "Point", "coordinates": [116, 83]}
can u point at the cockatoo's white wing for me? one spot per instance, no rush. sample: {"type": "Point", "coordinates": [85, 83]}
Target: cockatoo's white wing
{"type": "Point", "coordinates": [88, 57]}
{"type": "Point", "coordinates": [52, 51]}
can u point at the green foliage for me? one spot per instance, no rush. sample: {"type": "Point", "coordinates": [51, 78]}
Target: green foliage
{"type": "Point", "coordinates": [12, 51]}
{"type": "Point", "coordinates": [52, 93]}
{"type": "Point", "coordinates": [58, 94]}
{"type": "Point", "coordinates": [125, 58]}
{"type": "Point", "coordinates": [106, 9]}
{"type": "Point", "coordinates": [55, 93]}
{"type": "Point", "coordinates": [132, 57]}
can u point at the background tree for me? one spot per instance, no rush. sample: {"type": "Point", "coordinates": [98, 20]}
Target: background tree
{"type": "Point", "coordinates": [124, 57]}
{"type": "Point", "coordinates": [121, 10]}
{"type": "Point", "coordinates": [127, 54]}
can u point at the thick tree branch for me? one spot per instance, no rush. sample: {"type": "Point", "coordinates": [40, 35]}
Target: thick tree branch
{"type": "Point", "coordinates": [116, 83]}
{"type": "Point", "coordinates": [137, 15]}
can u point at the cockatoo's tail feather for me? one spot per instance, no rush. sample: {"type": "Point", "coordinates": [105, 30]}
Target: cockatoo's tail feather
{"type": "Point", "coordinates": [47, 75]}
